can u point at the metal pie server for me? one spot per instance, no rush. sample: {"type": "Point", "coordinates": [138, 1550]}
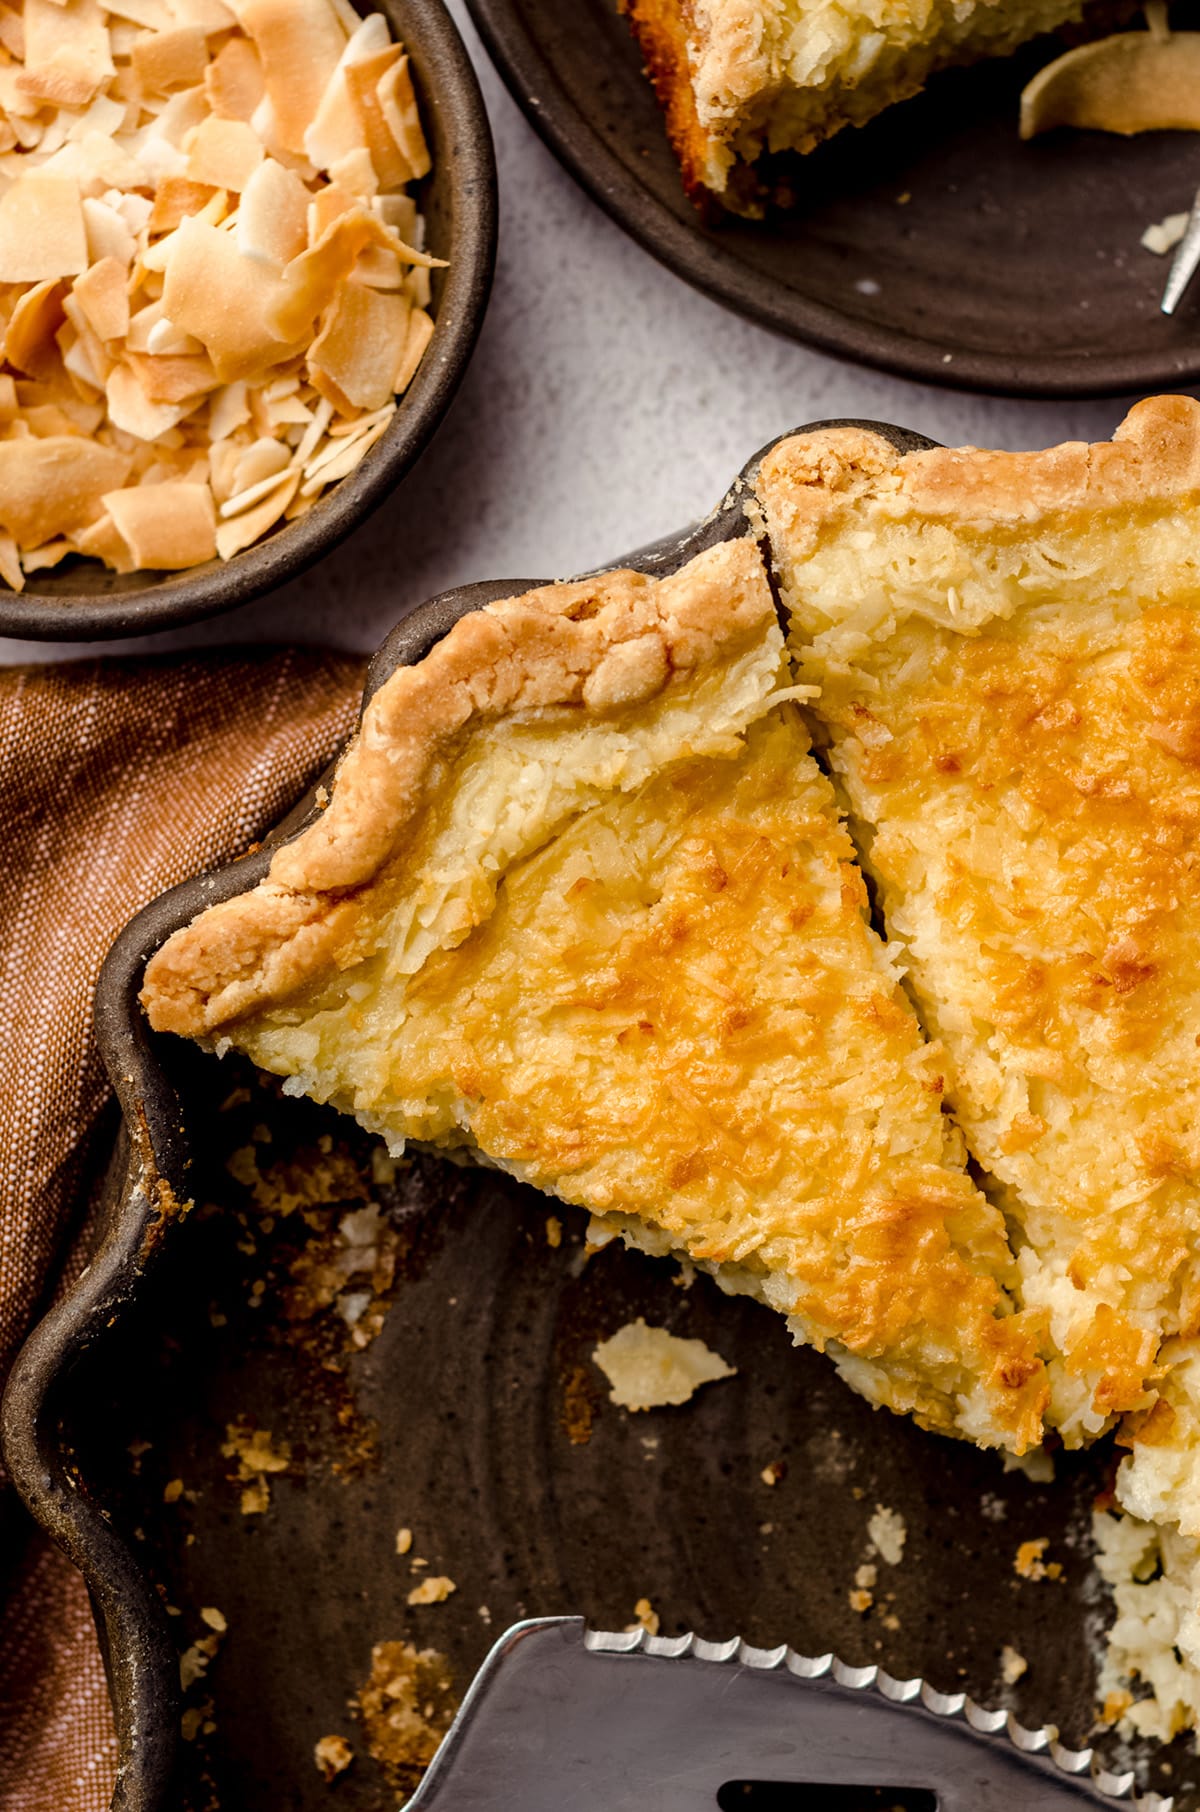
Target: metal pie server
{"type": "Point", "coordinates": [561, 1718]}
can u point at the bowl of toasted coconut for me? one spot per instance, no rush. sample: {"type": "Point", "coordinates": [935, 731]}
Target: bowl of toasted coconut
{"type": "Point", "coordinates": [245, 252]}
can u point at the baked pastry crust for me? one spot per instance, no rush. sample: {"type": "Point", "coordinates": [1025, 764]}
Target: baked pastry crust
{"type": "Point", "coordinates": [604, 646]}
{"type": "Point", "coordinates": [581, 907]}
{"type": "Point", "coordinates": [1008, 652]}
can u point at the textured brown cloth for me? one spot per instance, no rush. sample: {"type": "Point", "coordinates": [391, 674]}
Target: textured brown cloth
{"type": "Point", "coordinates": [117, 779]}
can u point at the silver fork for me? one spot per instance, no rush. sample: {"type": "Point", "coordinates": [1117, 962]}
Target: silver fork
{"type": "Point", "coordinates": [1185, 262]}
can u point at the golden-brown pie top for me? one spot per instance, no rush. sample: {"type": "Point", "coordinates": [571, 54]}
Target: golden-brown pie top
{"type": "Point", "coordinates": [581, 906]}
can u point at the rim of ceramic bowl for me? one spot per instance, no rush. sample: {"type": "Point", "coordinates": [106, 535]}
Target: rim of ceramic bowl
{"type": "Point", "coordinates": [461, 213]}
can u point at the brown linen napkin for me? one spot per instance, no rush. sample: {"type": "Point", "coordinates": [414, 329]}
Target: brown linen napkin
{"type": "Point", "coordinates": [117, 779]}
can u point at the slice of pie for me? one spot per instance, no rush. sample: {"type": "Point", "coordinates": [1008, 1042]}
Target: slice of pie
{"type": "Point", "coordinates": [741, 79]}
{"type": "Point", "coordinates": [1008, 651]}
{"type": "Point", "coordinates": [581, 907]}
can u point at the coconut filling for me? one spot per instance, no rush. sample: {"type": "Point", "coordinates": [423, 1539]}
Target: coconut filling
{"type": "Point", "coordinates": [1150, 1558]}
{"type": "Point", "coordinates": [818, 67]}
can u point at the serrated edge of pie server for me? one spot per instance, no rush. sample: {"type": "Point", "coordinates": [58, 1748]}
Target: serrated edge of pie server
{"type": "Point", "coordinates": [956, 1705]}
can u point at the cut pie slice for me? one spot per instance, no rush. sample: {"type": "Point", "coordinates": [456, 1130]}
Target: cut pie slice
{"type": "Point", "coordinates": [581, 907]}
{"type": "Point", "coordinates": [740, 79]}
{"type": "Point", "coordinates": [1008, 651]}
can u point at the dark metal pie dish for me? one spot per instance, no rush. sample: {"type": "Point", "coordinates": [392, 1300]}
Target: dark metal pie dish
{"type": "Point", "coordinates": [469, 1413]}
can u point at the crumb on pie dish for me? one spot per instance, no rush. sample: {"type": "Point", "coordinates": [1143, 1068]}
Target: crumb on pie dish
{"type": "Point", "coordinates": [581, 906]}
{"type": "Point", "coordinates": [740, 80]}
{"type": "Point", "coordinates": [212, 280]}
{"type": "Point", "coordinates": [589, 903]}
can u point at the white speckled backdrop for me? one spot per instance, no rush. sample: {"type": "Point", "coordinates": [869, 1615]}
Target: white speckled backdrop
{"type": "Point", "coordinates": [607, 404]}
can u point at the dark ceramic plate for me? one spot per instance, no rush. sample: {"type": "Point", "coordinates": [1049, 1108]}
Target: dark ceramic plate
{"type": "Point", "coordinates": [446, 1385]}
{"type": "Point", "coordinates": [83, 601]}
{"type": "Point", "coordinates": [932, 243]}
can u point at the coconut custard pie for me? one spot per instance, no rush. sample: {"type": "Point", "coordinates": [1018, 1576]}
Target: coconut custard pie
{"type": "Point", "coordinates": [1008, 653]}
{"type": "Point", "coordinates": [739, 79]}
{"type": "Point", "coordinates": [581, 906]}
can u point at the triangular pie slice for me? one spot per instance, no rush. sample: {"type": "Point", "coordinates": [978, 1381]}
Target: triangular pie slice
{"type": "Point", "coordinates": [1008, 651]}
{"type": "Point", "coordinates": [581, 907]}
{"type": "Point", "coordinates": [742, 79]}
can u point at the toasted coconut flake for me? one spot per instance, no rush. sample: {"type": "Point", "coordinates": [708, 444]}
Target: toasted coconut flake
{"type": "Point", "coordinates": [67, 53]}
{"type": "Point", "coordinates": [10, 564]}
{"type": "Point", "coordinates": [420, 332]}
{"type": "Point", "coordinates": [1128, 83]}
{"type": "Point", "coordinates": [12, 33]}
{"type": "Point", "coordinates": [131, 410]}
{"type": "Point", "coordinates": [154, 15]}
{"type": "Point", "coordinates": [311, 281]}
{"type": "Point", "coordinates": [324, 208]}
{"type": "Point", "coordinates": [312, 437]}
{"type": "Point", "coordinates": [164, 60]}
{"type": "Point", "coordinates": [362, 344]}
{"type": "Point", "coordinates": [94, 162]}
{"type": "Point", "coordinates": [223, 153]}
{"type": "Point", "coordinates": [264, 459]}
{"type": "Point", "coordinates": [142, 325]}
{"type": "Point", "coordinates": [41, 230]}
{"type": "Point", "coordinates": [272, 223]}
{"type": "Point", "coordinates": [367, 36]}
{"type": "Point", "coordinates": [164, 341]}
{"type": "Point", "coordinates": [229, 303]}
{"type": "Point", "coordinates": [229, 411]}
{"type": "Point", "coordinates": [379, 269]}
{"type": "Point", "coordinates": [174, 379]}
{"type": "Point", "coordinates": [41, 559]}
{"type": "Point", "coordinates": [234, 81]}
{"type": "Point", "coordinates": [244, 529]}
{"type": "Point", "coordinates": [99, 357]}
{"type": "Point", "coordinates": [337, 129]}
{"type": "Point", "coordinates": [325, 387]}
{"type": "Point", "coordinates": [175, 198]}
{"type": "Point", "coordinates": [398, 105]}
{"type": "Point", "coordinates": [167, 527]}
{"type": "Point", "coordinates": [211, 16]}
{"type": "Point", "coordinates": [54, 487]}
{"type": "Point", "coordinates": [78, 365]}
{"type": "Point", "coordinates": [349, 453]}
{"type": "Point", "coordinates": [29, 342]}
{"type": "Point", "coordinates": [300, 43]}
{"type": "Point", "coordinates": [102, 540]}
{"type": "Point", "coordinates": [103, 294]}
{"type": "Point", "coordinates": [107, 234]}
{"type": "Point", "coordinates": [106, 115]}
{"type": "Point", "coordinates": [363, 80]}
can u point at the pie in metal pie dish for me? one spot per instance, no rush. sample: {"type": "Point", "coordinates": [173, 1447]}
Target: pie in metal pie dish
{"type": "Point", "coordinates": [583, 905]}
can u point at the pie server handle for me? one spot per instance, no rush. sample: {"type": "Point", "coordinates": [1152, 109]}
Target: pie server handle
{"type": "Point", "coordinates": [566, 1719]}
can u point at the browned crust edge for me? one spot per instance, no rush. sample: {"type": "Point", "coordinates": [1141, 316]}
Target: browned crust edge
{"type": "Point", "coordinates": [598, 644]}
{"type": "Point", "coordinates": [661, 29]}
{"type": "Point", "coordinates": [809, 481]}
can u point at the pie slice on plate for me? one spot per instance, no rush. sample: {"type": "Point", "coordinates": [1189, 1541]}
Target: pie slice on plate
{"type": "Point", "coordinates": [741, 79]}
{"type": "Point", "coordinates": [581, 906]}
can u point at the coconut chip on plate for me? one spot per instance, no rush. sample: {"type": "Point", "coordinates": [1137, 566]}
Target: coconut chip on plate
{"type": "Point", "coordinates": [213, 280]}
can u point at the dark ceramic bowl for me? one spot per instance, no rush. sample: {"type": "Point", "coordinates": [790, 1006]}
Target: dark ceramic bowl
{"type": "Point", "coordinates": [488, 1438]}
{"type": "Point", "coordinates": [83, 601]}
